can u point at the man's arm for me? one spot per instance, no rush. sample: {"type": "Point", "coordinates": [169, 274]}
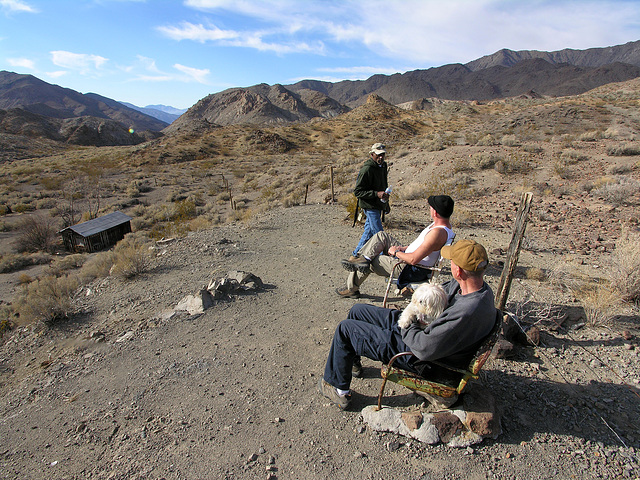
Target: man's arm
{"type": "Point", "coordinates": [433, 241]}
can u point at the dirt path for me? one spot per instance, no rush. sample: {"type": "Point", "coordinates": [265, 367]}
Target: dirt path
{"type": "Point", "coordinates": [125, 392]}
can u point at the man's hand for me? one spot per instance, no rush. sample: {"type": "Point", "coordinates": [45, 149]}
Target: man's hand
{"type": "Point", "coordinates": [382, 195]}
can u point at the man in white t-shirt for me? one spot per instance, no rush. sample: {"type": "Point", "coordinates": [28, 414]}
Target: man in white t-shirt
{"type": "Point", "coordinates": [383, 251]}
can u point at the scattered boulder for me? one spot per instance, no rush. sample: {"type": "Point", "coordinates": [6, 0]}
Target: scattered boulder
{"type": "Point", "coordinates": [462, 426]}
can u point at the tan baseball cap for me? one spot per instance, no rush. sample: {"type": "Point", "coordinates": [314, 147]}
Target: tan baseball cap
{"type": "Point", "coordinates": [378, 149]}
{"type": "Point", "coordinates": [467, 254]}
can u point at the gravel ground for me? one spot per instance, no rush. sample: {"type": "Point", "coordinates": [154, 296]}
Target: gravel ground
{"type": "Point", "coordinates": [124, 391]}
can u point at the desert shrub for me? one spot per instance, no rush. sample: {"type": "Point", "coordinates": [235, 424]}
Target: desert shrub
{"type": "Point", "coordinates": [624, 150]}
{"type": "Point", "coordinates": [131, 257]}
{"type": "Point", "coordinates": [509, 141]}
{"type": "Point", "coordinates": [68, 262]}
{"type": "Point", "coordinates": [571, 157]}
{"type": "Point", "coordinates": [37, 233]}
{"type": "Point", "coordinates": [619, 192]}
{"type": "Point", "coordinates": [14, 262]}
{"type": "Point", "coordinates": [619, 169]}
{"type": "Point", "coordinates": [535, 273]}
{"type": "Point", "coordinates": [485, 160]}
{"type": "Point", "coordinates": [487, 141]}
{"type": "Point", "coordinates": [462, 165]}
{"type": "Point", "coordinates": [433, 144]}
{"type": "Point", "coordinates": [624, 273]}
{"type": "Point", "coordinates": [47, 299]}
{"type": "Point", "coordinates": [4, 210]}
{"type": "Point", "coordinates": [23, 208]}
{"type": "Point", "coordinates": [23, 279]}
{"type": "Point", "coordinates": [513, 163]}
{"type": "Point", "coordinates": [598, 302]}
{"type": "Point", "coordinates": [531, 148]}
{"type": "Point", "coordinates": [562, 170]}
{"type": "Point", "coordinates": [591, 136]}
{"type": "Point", "coordinates": [6, 319]}
{"type": "Point", "coordinates": [413, 191]}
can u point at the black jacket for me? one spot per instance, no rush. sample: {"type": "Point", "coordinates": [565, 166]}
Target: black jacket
{"type": "Point", "coordinates": [371, 179]}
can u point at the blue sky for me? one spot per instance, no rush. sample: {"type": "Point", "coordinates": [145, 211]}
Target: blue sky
{"type": "Point", "coordinates": [177, 52]}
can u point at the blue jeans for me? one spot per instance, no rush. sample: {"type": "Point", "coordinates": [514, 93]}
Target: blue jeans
{"type": "Point", "coordinates": [372, 225]}
{"type": "Point", "coordinates": [369, 331]}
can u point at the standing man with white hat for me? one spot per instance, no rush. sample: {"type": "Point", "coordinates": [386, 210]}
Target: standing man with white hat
{"type": "Point", "coordinates": [370, 192]}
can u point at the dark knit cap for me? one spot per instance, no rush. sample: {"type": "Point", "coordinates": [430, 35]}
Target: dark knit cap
{"type": "Point", "coordinates": [443, 204]}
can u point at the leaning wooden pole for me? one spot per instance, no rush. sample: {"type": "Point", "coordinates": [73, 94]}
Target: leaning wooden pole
{"type": "Point", "coordinates": [333, 196]}
{"type": "Point", "coordinates": [514, 250]}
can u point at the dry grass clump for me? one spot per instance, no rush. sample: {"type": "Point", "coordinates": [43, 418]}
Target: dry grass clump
{"type": "Point", "coordinates": [596, 297]}
{"type": "Point", "coordinates": [514, 163]}
{"type": "Point", "coordinates": [624, 273]}
{"type": "Point", "coordinates": [510, 141]}
{"type": "Point", "coordinates": [484, 160]}
{"type": "Point", "coordinates": [131, 257]}
{"type": "Point", "coordinates": [571, 157]}
{"type": "Point", "coordinates": [14, 262]}
{"type": "Point", "coordinates": [47, 299]}
{"type": "Point", "coordinates": [590, 136]}
{"type": "Point", "coordinates": [624, 150]}
{"type": "Point", "coordinates": [620, 191]}
{"type": "Point", "coordinates": [535, 273]}
{"type": "Point", "coordinates": [412, 191]}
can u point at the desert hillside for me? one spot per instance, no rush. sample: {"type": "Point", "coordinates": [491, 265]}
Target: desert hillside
{"type": "Point", "coordinates": [97, 380]}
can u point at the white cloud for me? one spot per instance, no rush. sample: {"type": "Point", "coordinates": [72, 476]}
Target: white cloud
{"type": "Point", "coordinates": [17, 6]}
{"type": "Point", "coordinates": [57, 74]}
{"type": "Point", "coordinates": [231, 38]}
{"type": "Point", "coordinates": [22, 63]}
{"type": "Point", "coordinates": [199, 75]}
{"type": "Point", "coordinates": [430, 32]}
{"type": "Point", "coordinates": [80, 62]}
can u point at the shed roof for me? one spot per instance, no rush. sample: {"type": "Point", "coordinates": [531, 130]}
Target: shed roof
{"type": "Point", "coordinates": [100, 224]}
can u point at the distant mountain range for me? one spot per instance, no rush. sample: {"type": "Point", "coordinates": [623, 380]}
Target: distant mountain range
{"type": "Point", "coordinates": [33, 107]}
{"type": "Point", "coordinates": [161, 112]}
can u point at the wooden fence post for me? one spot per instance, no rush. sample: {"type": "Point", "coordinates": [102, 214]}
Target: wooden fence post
{"type": "Point", "coordinates": [514, 250]}
{"type": "Point", "coordinates": [333, 197]}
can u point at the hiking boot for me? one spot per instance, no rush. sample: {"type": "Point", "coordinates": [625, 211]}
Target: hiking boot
{"type": "Point", "coordinates": [359, 264]}
{"type": "Point", "coordinates": [356, 369]}
{"type": "Point", "coordinates": [353, 259]}
{"type": "Point", "coordinates": [330, 392]}
{"type": "Point", "coordinates": [346, 293]}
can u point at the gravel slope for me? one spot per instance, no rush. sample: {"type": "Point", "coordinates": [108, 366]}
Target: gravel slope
{"type": "Point", "coordinates": [124, 391]}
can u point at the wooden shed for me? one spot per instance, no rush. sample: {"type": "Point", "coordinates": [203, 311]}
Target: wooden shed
{"type": "Point", "coordinates": [96, 234]}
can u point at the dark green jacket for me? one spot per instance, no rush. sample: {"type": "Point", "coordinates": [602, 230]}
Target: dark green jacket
{"type": "Point", "coordinates": [371, 179]}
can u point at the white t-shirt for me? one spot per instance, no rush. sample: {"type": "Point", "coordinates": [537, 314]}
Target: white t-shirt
{"type": "Point", "coordinates": [431, 259]}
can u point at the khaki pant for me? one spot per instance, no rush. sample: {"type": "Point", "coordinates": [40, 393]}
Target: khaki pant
{"type": "Point", "coordinates": [376, 249]}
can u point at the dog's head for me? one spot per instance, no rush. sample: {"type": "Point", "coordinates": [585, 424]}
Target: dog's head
{"type": "Point", "coordinates": [431, 299]}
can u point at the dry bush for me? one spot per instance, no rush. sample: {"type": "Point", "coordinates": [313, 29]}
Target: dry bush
{"type": "Point", "coordinates": [531, 148]}
{"type": "Point", "coordinates": [510, 141]}
{"type": "Point", "coordinates": [6, 319]}
{"type": "Point", "coordinates": [14, 262]}
{"type": "Point", "coordinates": [131, 257]}
{"type": "Point", "coordinates": [591, 136]}
{"type": "Point", "coordinates": [37, 233]}
{"type": "Point", "coordinates": [487, 141]}
{"type": "Point", "coordinates": [413, 191]}
{"type": "Point", "coordinates": [624, 273]}
{"type": "Point", "coordinates": [624, 150]}
{"type": "Point", "coordinates": [97, 266]}
{"type": "Point", "coordinates": [68, 262]}
{"type": "Point", "coordinates": [462, 165]}
{"type": "Point", "coordinates": [485, 160]}
{"type": "Point", "coordinates": [433, 144]}
{"type": "Point", "coordinates": [47, 299]}
{"type": "Point", "coordinates": [535, 273]}
{"type": "Point", "coordinates": [619, 192]}
{"type": "Point", "coordinates": [571, 157]}
{"type": "Point", "coordinates": [514, 163]}
{"type": "Point", "coordinates": [596, 297]}
{"type": "Point", "coordinates": [598, 303]}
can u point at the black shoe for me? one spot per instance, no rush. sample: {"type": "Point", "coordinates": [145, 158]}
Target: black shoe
{"type": "Point", "coordinates": [346, 293]}
{"type": "Point", "coordinates": [356, 369]}
{"type": "Point", "coordinates": [360, 264]}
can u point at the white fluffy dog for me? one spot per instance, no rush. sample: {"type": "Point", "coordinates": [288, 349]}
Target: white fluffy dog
{"type": "Point", "coordinates": [427, 303]}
